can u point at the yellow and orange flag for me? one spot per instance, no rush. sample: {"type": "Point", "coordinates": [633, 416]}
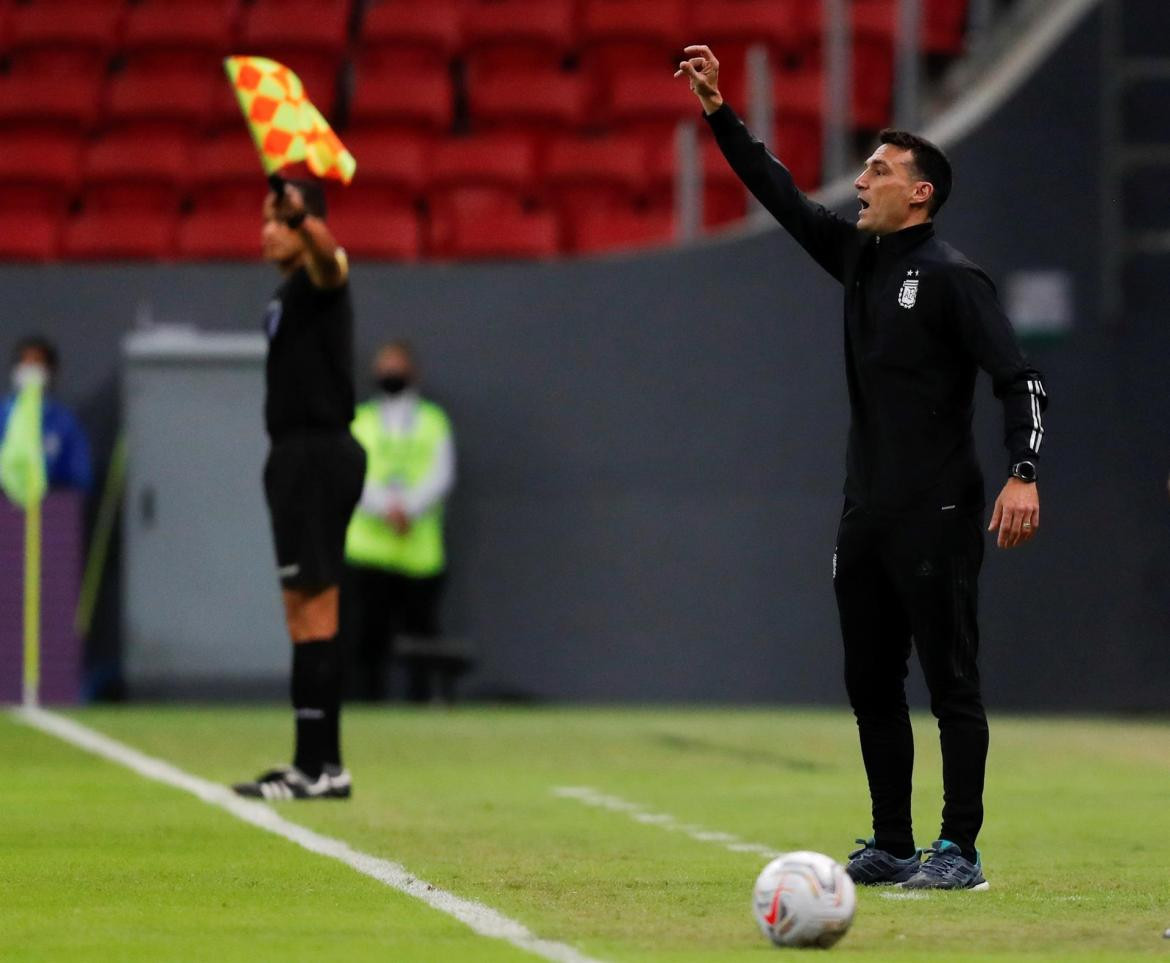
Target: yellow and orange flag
{"type": "Point", "coordinates": [284, 123]}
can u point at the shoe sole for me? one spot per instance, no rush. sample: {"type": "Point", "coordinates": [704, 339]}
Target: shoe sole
{"type": "Point", "coordinates": [977, 888]}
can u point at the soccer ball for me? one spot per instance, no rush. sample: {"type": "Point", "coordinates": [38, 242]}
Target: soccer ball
{"type": "Point", "coordinates": [804, 899]}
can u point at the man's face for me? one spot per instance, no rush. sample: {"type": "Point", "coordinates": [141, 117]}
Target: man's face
{"type": "Point", "coordinates": [281, 245]}
{"type": "Point", "coordinates": [890, 191]}
{"type": "Point", "coordinates": [32, 361]}
{"type": "Point", "coordinates": [393, 363]}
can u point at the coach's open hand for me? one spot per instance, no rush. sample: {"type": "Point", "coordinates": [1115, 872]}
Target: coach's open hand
{"type": "Point", "coordinates": [702, 69]}
{"type": "Point", "coordinates": [1016, 514]}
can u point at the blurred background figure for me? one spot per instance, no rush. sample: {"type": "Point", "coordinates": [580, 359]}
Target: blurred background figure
{"type": "Point", "coordinates": [67, 459]}
{"type": "Point", "coordinates": [395, 554]}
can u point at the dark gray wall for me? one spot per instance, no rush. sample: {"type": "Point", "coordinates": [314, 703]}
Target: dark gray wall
{"type": "Point", "coordinates": [651, 449]}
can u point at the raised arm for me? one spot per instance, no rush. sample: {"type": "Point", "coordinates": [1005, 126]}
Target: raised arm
{"type": "Point", "coordinates": [825, 235]}
{"type": "Point", "coordinates": [325, 260]}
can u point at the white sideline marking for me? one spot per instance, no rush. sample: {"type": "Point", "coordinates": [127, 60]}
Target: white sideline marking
{"type": "Point", "coordinates": [482, 919]}
{"type": "Point", "coordinates": [593, 797]}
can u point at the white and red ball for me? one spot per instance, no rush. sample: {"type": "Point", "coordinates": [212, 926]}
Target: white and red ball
{"type": "Point", "coordinates": [804, 899]}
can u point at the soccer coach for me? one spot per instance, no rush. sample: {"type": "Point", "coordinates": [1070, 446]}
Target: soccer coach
{"type": "Point", "coordinates": [920, 320]}
{"type": "Point", "coordinates": [313, 476]}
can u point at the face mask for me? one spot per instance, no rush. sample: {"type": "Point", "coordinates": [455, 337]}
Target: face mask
{"type": "Point", "coordinates": [393, 384]}
{"type": "Point", "coordinates": [29, 373]}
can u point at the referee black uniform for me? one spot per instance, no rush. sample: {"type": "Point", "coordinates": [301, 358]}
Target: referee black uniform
{"type": "Point", "coordinates": [920, 320]}
{"type": "Point", "coordinates": [312, 481]}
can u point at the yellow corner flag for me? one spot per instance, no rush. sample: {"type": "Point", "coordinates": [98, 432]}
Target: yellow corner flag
{"type": "Point", "coordinates": [284, 123]}
{"type": "Point", "coordinates": [22, 455]}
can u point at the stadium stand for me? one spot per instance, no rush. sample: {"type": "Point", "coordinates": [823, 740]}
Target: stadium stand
{"type": "Point", "coordinates": [595, 231]}
{"type": "Point", "coordinates": [212, 234]}
{"type": "Point", "coordinates": [508, 34]}
{"type": "Point", "coordinates": [618, 33]}
{"type": "Point", "coordinates": [502, 235]}
{"type": "Point", "coordinates": [379, 104]}
{"type": "Point", "coordinates": [584, 174]}
{"type": "Point", "coordinates": [412, 34]}
{"type": "Point", "coordinates": [570, 106]}
{"type": "Point", "coordinates": [179, 32]}
{"type": "Point", "coordinates": [541, 103]}
{"type": "Point", "coordinates": [732, 27]}
{"type": "Point", "coordinates": [377, 233]}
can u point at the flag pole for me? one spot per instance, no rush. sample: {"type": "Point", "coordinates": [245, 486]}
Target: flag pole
{"type": "Point", "coordinates": [32, 601]}
{"type": "Point", "coordinates": [103, 529]}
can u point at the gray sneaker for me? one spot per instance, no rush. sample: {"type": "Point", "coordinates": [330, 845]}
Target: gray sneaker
{"type": "Point", "coordinates": [945, 867]}
{"type": "Point", "coordinates": [870, 866]}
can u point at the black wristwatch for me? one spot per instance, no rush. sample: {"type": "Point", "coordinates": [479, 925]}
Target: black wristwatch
{"type": "Point", "coordinates": [295, 220]}
{"type": "Point", "coordinates": [1024, 471]}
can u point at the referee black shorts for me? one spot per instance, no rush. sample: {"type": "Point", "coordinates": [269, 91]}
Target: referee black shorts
{"type": "Point", "coordinates": [312, 483]}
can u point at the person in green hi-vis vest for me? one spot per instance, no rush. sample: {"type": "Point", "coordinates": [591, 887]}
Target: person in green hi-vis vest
{"type": "Point", "coordinates": [394, 550]}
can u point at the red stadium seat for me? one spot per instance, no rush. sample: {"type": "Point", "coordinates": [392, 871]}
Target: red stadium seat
{"type": "Point", "coordinates": [412, 34]}
{"type": "Point", "coordinates": [379, 100]}
{"type": "Point", "coordinates": [488, 160]}
{"type": "Point", "coordinates": [85, 64]}
{"type": "Point", "coordinates": [320, 26]}
{"type": "Point", "coordinates": [159, 31]}
{"type": "Point", "coordinates": [610, 230]}
{"type": "Point", "coordinates": [138, 160]}
{"type": "Point", "coordinates": [39, 157]}
{"type": "Point", "coordinates": [544, 101]}
{"type": "Point", "coordinates": [388, 160]}
{"type": "Point", "coordinates": [616, 34]}
{"type": "Point", "coordinates": [377, 234]}
{"type": "Point", "coordinates": [732, 27]}
{"type": "Point", "coordinates": [477, 177]}
{"type": "Point", "coordinates": [220, 235]}
{"type": "Point", "coordinates": [652, 101]}
{"type": "Point", "coordinates": [177, 95]}
{"type": "Point", "coordinates": [944, 25]}
{"type": "Point", "coordinates": [506, 34]}
{"type": "Point", "coordinates": [874, 33]}
{"type": "Point", "coordinates": [120, 235]}
{"type": "Point", "coordinates": [799, 102]}
{"type": "Point", "coordinates": [29, 235]}
{"type": "Point", "coordinates": [52, 99]}
{"type": "Point", "coordinates": [582, 174]}
{"type": "Point", "coordinates": [505, 235]}
{"type": "Point", "coordinates": [78, 25]}
{"type": "Point", "coordinates": [227, 174]}
{"type": "Point", "coordinates": [724, 196]}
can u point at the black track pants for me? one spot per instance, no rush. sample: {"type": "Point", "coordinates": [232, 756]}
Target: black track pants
{"type": "Point", "coordinates": [909, 580]}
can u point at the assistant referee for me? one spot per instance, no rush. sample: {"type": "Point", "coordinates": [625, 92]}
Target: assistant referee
{"type": "Point", "coordinates": [920, 320]}
{"type": "Point", "coordinates": [313, 477]}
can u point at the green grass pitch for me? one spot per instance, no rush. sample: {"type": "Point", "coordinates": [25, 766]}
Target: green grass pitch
{"type": "Point", "coordinates": [97, 863]}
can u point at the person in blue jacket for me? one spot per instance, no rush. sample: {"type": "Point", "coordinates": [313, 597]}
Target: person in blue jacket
{"type": "Point", "coordinates": [67, 457]}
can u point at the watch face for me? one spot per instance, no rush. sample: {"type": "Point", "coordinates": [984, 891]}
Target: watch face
{"type": "Point", "coordinates": [1024, 470]}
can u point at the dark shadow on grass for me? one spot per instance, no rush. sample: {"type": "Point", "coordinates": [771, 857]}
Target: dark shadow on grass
{"type": "Point", "coordinates": [671, 740]}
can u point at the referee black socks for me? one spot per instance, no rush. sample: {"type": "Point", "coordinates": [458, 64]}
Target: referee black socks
{"type": "Point", "coordinates": [316, 699]}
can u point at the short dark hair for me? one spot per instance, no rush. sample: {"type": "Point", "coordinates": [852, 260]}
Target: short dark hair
{"type": "Point", "coordinates": [313, 194]}
{"type": "Point", "coordinates": [931, 162]}
{"type": "Point", "coordinates": [36, 342]}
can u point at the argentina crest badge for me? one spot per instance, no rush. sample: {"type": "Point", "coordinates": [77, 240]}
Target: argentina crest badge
{"type": "Point", "coordinates": [908, 293]}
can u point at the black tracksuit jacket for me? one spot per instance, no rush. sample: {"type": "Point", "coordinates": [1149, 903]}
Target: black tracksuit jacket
{"type": "Point", "coordinates": [920, 320]}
